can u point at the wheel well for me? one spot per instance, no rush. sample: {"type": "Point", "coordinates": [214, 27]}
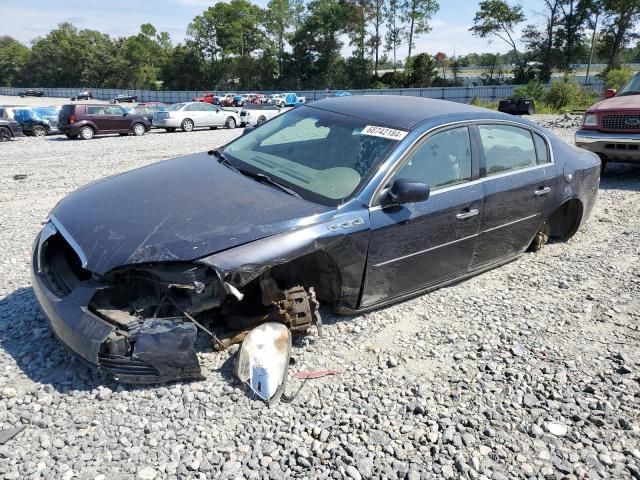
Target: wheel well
{"type": "Point", "coordinates": [185, 119]}
{"type": "Point", "coordinates": [565, 220]}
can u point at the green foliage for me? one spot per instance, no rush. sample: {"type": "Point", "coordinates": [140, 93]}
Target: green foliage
{"type": "Point", "coordinates": [476, 102]}
{"type": "Point", "coordinates": [533, 89]}
{"type": "Point", "coordinates": [617, 77]}
{"type": "Point", "coordinates": [421, 71]}
{"type": "Point", "coordinates": [417, 15]}
{"type": "Point", "coordinates": [13, 58]}
{"type": "Point", "coordinates": [567, 94]}
{"type": "Point", "coordinates": [496, 18]}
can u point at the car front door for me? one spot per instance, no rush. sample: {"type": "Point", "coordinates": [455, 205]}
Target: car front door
{"type": "Point", "coordinates": [117, 119]}
{"type": "Point", "coordinates": [418, 245]}
{"type": "Point", "coordinates": [210, 115]}
{"type": "Point", "coordinates": [519, 184]}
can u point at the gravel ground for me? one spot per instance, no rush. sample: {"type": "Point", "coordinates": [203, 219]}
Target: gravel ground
{"type": "Point", "coordinates": [531, 370]}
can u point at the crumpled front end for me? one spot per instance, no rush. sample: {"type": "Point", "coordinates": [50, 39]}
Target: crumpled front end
{"type": "Point", "coordinates": [140, 321]}
{"type": "Point", "coordinates": [114, 322]}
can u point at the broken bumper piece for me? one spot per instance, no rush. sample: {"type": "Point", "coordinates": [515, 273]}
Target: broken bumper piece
{"type": "Point", "coordinates": [163, 350]}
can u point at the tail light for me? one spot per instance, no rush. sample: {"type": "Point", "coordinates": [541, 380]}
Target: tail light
{"type": "Point", "coordinates": [71, 119]}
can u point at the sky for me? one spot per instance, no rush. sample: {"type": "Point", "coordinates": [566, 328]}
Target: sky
{"type": "Point", "coordinates": [27, 20]}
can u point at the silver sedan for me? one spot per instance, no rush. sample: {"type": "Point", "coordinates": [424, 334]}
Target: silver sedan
{"type": "Point", "coordinates": [190, 115]}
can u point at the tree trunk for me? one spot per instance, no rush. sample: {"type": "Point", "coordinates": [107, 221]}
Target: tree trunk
{"type": "Point", "coordinates": [410, 37]}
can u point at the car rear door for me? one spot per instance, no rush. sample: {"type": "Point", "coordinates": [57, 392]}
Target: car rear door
{"type": "Point", "coordinates": [519, 183]}
{"type": "Point", "coordinates": [415, 246]}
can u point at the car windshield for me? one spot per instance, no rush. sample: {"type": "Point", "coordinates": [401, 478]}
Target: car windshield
{"type": "Point", "coordinates": [323, 156]}
{"type": "Point", "coordinates": [175, 107]}
{"type": "Point", "coordinates": [631, 88]}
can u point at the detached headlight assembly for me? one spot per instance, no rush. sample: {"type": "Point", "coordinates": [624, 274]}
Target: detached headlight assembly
{"type": "Point", "coordinates": [590, 120]}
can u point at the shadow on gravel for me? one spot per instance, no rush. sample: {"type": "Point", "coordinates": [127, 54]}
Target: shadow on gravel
{"type": "Point", "coordinates": [621, 176]}
{"type": "Point", "coordinates": [25, 336]}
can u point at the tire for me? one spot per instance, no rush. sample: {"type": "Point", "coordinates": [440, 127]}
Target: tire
{"type": "Point", "coordinates": [170, 129]}
{"type": "Point", "coordinates": [39, 131]}
{"type": "Point", "coordinates": [138, 129]}
{"type": "Point", "coordinates": [87, 133]}
{"type": "Point", "coordinates": [71, 137]}
{"type": "Point", "coordinates": [261, 120]}
{"type": "Point", "coordinates": [5, 134]}
{"type": "Point", "coordinates": [230, 123]}
{"type": "Point", "coordinates": [187, 125]}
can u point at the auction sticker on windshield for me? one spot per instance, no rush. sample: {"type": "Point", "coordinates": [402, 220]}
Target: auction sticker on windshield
{"type": "Point", "coordinates": [384, 132]}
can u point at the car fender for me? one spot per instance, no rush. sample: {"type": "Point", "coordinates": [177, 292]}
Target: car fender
{"type": "Point", "coordinates": [339, 244]}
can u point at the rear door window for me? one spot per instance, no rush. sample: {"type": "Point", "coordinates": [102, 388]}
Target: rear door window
{"type": "Point", "coordinates": [98, 110]}
{"type": "Point", "coordinates": [542, 149]}
{"type": "Point", "coordinates": [507, 148]}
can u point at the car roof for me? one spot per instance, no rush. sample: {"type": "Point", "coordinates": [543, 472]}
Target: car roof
{"type": "Point", "coordinates": [394, 110]}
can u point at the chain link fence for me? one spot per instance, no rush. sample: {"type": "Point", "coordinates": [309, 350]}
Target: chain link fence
{"type": "Point", "coordinates": [455, 94]}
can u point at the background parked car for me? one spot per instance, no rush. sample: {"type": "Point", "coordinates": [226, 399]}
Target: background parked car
{"type": "Point", "coordinates": [190, 115]}
{"type": "Point", "coordinates": [85, 121]}
{"type": "Point", "coordinates": [207, 98]}
{"type": "Point", "coordinates": [86, 95]}
{"type": "Point", "coordinates": [149, 109]}
{"type": "Point", "coordinates": [254, 115]}
{"type": "Point", "coordinates": [9, 129]}
{"type": "Point", "coordinates": [239, 100]}
{"type": "Point", "coordinates": [124, 98]}
{"type": "Point", "coordinates": [227, 99]}
{"type": "Point", "coordinates": [31, 93]}
{"type": "Point", "coordinates": [38, 121]}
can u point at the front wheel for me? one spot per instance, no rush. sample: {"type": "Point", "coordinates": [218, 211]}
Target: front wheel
{"type": "Point", "coordinates": [230, 123]}
{"type": "Point", "coordinates": [139, 130]}
{"type": "Point", "coordinates": [261, 120]}
{"type": "Point", "coordinates": [5, 134]}
{"type": "Point", "coordinates": [187, 125]}
{"type": "Point", "coordinates": [87, 133]}
{"type": "Point", "coordinates": [39, 131]}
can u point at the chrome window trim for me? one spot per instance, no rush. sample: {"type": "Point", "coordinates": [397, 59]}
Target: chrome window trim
{"type": "Point", "coordinates": [445, 126]}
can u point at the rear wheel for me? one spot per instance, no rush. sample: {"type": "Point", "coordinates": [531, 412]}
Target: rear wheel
{"type": "Point", "coordinates": [187, 125]}
{"type": "Point", "coordinates": [139, 130]}
{"type": "Point", "coordinates": [39, 131]}
{"type": "Point", "coordinates": [230, 123]}
{"type": "Point", "coordinates": [5, 134]}
{"type": "Point", "coordinates": [87, 133]}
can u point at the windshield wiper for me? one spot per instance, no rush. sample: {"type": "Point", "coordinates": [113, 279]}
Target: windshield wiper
{"type": "Point", "coordinates": [260, 177]}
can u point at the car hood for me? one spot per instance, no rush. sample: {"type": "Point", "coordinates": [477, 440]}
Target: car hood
{"type": "Point", "coordinates": [175, 210]}
{"type": "Point", "coordinates": [627, 102]}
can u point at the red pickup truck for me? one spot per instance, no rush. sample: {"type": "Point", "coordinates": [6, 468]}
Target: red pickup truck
{"type": "Point", "coordinates": [611, 128]}
{"type": "Point", "coordinates": [207, 97]}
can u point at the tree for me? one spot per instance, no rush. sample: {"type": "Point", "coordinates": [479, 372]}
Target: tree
{"type": "Point", "coordinates": [13, 58]}
{"type": "Point", "coordinates": [620, 19]}
{"type": "Point", "coordinates": [182, 69]}
{"type": "Point", "coordinates": [442, 61]}
{"type": "Point", "coordinates": [421, 70]}
{"type": "Point", "coordinates": [417, 14]}
{"type": "Point", "coordinates": [575, 18]}
{"type": "Point", "coordinates": [396, 31]}
{"type": "Point", "coordinates": [543, 43]}
{"type": "Point", "coordinates": [280, 17]}
{"type": "Point", "coordinates": [377, 17]}
{"type": "Point", "coordinates": [497, 18]}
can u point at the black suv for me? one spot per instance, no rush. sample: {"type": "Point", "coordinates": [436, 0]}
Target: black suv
{"type": "Point", "coordinates": [86, 121]}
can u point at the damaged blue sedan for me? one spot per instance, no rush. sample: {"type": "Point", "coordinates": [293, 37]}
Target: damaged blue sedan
{"type": "Point", "coordinates": [354, 202]}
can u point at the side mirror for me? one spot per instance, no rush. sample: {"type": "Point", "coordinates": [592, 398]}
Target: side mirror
{"type": "Point", "coordinates": [405, 190]}
{"type": "Point", "coordinates": [610, 92]}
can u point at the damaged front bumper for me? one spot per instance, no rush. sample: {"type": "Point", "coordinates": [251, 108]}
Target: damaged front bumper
{"type": "Point", "coordinates": [163, 350]}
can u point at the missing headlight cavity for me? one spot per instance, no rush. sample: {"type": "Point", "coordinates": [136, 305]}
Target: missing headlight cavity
{"type": "Point", "coordinates": [157, 310]}
{"type": "Point", "coordinates": [61, 265]}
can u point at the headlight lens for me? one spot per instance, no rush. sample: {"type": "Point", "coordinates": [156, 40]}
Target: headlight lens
{"type": "Point", "coordinates": [590, 120]}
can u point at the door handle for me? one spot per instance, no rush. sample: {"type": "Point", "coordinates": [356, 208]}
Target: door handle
{"type": "Point", "coordinates": [471, 213]}
{"type": "Point", "coordinates": [542, 191]}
